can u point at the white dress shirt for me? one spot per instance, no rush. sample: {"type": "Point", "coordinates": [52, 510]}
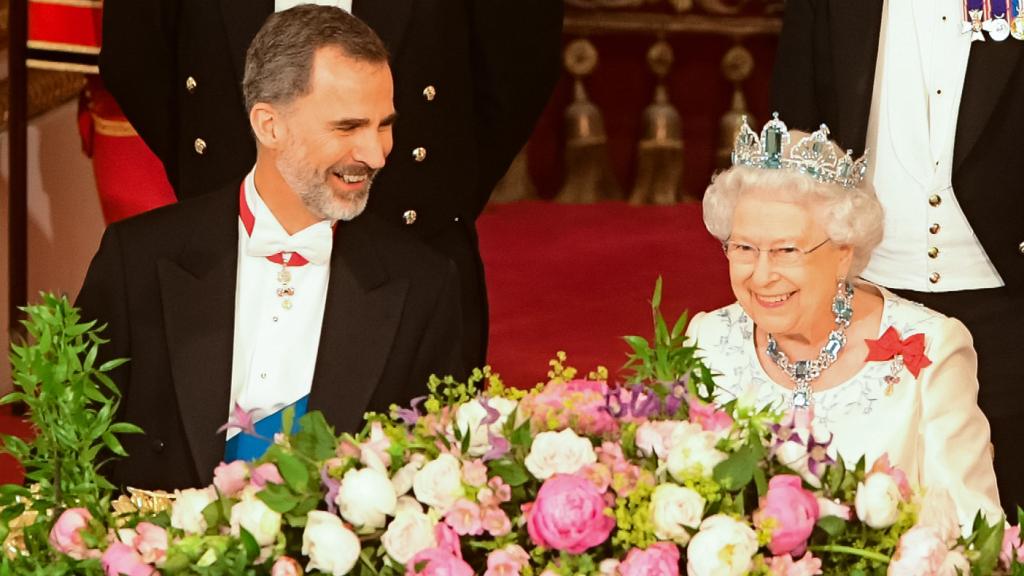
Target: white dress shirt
{"type": "Point", "coordinates": [275, 348]}
{"type": "Point", "coordinates": [929, 245]}
{"type": "Point", "coordinates": [345, 5]}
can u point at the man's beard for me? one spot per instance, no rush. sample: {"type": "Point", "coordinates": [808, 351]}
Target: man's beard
{"type": "Point", "coordinates": [314, 189]}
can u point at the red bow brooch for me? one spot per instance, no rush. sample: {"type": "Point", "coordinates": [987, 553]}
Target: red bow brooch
{"type": "Point", "coordinates": [909, 351]}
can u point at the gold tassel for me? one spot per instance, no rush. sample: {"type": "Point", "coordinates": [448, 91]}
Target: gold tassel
{"type": "Point", "coordinates": [660, 150]}
{"type": "Point", "coordinates": [588, 175]}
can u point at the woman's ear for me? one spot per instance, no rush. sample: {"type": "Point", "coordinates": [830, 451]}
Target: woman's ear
{"type": "Point", "coordinates": [267, 125]}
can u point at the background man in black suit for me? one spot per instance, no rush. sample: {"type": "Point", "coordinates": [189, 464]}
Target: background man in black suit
{"type": "Point", "coordinates": [471, 79]}
{"type": "Point", "coordinates": [272, 289]}
{"type": "Point", "coordinates": [942, 116]}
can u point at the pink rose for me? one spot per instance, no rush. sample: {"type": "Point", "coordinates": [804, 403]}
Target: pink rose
{"type": "Point", "coordinates": [1013, 548]}
{"type": "Point", "coordinates": [121, 559]}
{"type": "Point", "coordinates": [507, 561]}
{"type": "Point", "coordinates": [266, 474]}
{"type": "Point", "coordinates": [231, 478]}
{"type": "Point", "coordinates": [793, 511]}
{"type": "Point", "coordinates": [464, 518]}
{"type": "Point", "coordinates": [286, 566]}
{"type": "Point", "coordinates": [709, 416]}
{"type": "Point", "coordinates": [437, 562]}
{"type": "Point", "coordinates": [785, 566]}
{"type": "Point", "coordinates": [66, 537]}
{"type": "Point", "coordinates": [920, 552]}
{"type": "Point", "coordinates": [660, 559]}
{"type": "Point", "coordinates": [151, 542]}
{"type": "Point", "coordinates": [568, 515]}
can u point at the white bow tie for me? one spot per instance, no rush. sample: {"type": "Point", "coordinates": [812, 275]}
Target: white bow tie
{"type": "Point", "coordinates": [313, 243]}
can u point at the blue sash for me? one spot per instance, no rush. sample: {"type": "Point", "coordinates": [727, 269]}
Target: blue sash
{"type": "Point", "coordinates": [247, 447]}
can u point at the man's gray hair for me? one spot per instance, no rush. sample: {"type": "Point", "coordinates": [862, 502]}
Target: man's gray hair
{"type": "Point", "coordinates": [851, 216]}
{"type": "Point", "coordinates": [279, 62]}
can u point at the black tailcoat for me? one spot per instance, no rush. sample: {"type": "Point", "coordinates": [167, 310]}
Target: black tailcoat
{"type": "Point", "coordinates": [164, 282]}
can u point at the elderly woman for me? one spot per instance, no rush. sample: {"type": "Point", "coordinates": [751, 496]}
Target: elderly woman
{"type": "Point", "coordinates": [882, 374]}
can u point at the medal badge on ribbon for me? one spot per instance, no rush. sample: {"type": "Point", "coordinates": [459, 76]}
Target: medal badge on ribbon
{"type": "Point", "coordinates": [999, 18]}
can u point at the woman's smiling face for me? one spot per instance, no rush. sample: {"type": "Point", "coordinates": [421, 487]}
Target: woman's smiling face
{"type": "Point", "coordinates": [784, 298]}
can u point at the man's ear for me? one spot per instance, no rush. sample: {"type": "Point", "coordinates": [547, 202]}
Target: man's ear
{"type": "Point", "coordinates": [267, 125]}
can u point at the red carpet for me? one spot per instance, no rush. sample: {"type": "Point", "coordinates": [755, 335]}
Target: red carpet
{"type": "Point", "coordinates": [578, 277]}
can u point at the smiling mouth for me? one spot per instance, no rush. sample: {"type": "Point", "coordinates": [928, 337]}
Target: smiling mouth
{"type": "Point", "coordinates": [351, 178]}
{"type": "Point", "coordinates": [773, 301]}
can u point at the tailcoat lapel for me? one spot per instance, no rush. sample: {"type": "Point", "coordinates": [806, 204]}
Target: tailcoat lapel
{"type": "Point", "coordinates": [989, 69]}
{"type": "Point", "coordinates": [364, 307]}
{"type": "Point", "coordinates": [197, 292]}
{"type": "Point", "coordinates": [242, 20]}
{"type": "Point", "coordinates": [854, 27]}
{"type": "Point", "coordinates": [388, 19]}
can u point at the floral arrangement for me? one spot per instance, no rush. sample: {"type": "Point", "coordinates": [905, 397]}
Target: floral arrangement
{"type": "Point", "coordinates": [576, 476]}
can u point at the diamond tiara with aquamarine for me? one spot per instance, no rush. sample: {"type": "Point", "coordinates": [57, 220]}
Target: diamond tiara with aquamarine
{"type": "Point", "coordinates": [812, 155]}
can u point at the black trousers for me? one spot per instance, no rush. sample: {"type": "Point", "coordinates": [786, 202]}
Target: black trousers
{"type": "Point", "coordinates": [995, 318]}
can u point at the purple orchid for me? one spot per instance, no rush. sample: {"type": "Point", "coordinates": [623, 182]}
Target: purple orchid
{"type": "Point", "coordinates": [817, 455]}
{"type": "Point", "coordinates": [676, 396]}
{"type": "Point", "coordinates": [241, 420]}
{"type": "Point", "coordinates": [411, 415]}
{"type": "Point", "coordinates": [492, 413]}
{"type": "Point", "coordinates": [785, 431]}
{"type": "Point", "coordinates": [332, 486]}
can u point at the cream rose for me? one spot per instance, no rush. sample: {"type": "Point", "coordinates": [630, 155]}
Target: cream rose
{"type": "Point", "coordinates": [878, 500]}
{"type": "Point", "coordinates": [559, 453]}
{"type": "Point", "coordinates": [257, 518]}
{"type": "Point", "coordinates": [439, 483]}
{"type": "Point", "coordinates": [723, 547]}
{"type": "Point", "coordinates": [693, 453]}
{"type": "Point", "coordinates": [187, 510]}
{"type": "Point", "coordinates": [408, 534]}
{"type": "Point", "coordinates": [365, 499]}
{"type": "Point", "coordinates": [469, 420]}
{"type": "Point", "coordinates": [330, 546]}
{"type": "Point", "coordinates": [675, 508]}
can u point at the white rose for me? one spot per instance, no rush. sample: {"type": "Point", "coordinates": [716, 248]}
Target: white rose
{"type": "Point", "coordinates": [439, 483]}
{"type": "Point", "coordinates": [329, 545]}
{"type": "Point", "coordinates": [878, 501]}
{"type": "Point", "coordinates": [693, 453]}
{"type": "Point", "coordinates": [187, 510]}
{"type": "Point", "coordinates": [365, 498]}
{"type": "Point", "coordinates": [608, 567]}
{"type": "Point", "coordinates": [257, 518]}
{"type": "Point", "coordinates": [402, 480]}
{"type": "Point", "coordinates": [408, 534]}
{"type": "Point", "coordinates": [675, 508]}
{"type": "Point", "coordinates": [559, 453]}
{"type": "Point", "coordinates": [469, 419]}
{"type": "Point", "coordinates": [722, 547]}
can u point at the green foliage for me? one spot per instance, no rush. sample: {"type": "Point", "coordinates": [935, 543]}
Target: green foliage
{"type": "Point", "coordinates": [667, 358]}
{"type": "Point", "coordinates": [72, 403]}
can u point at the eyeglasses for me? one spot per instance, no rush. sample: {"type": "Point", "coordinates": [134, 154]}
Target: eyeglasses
{"type": "Point", "coordinates": [740, 253]}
